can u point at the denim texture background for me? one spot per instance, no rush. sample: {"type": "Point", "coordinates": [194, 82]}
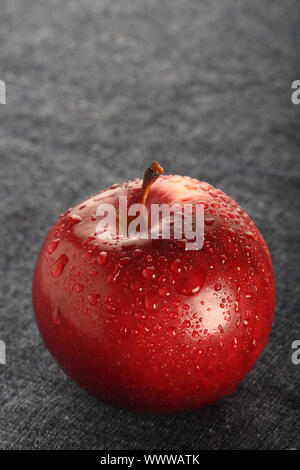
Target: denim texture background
{"type": "Point", "coordinates": [97, 89]}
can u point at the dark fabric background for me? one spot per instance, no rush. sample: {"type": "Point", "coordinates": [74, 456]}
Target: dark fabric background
{"type": "Point", "coordinates": [97, 89]}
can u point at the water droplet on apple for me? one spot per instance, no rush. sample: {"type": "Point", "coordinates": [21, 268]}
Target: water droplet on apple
{"type": "Point", "coordinates": [185, 324]}
{"type": "Point", "coordinates": [93, 272]}
{"type": "Point", "coordinates": [57, 315]}
{"type": "Point", "coordinates": [143, 328]}
{"type": "Point", "coordinates": [59, 265]}
{"type": "Point", "coordinates": [150, 302]}
{"type": "Point", "coordinates": [123, 330]}
{"type": "Point", "coordinates": [102, 258]}
{"type": "Point", "coordinates": [138, 315]}
{"type": "Point", "coordinates": [74, 219]}
{"type": "Point", "coordinates": [124, 261]}
{"type": "Point", "coordinates": [52, 246]}
{"type": "Point", "coordinates": [93, 299]}
{"type": "Point", "coordinates": [136, 253]}
{"type": "Point", "coordinates": [149, 272]}
{"type": "Point", "coordinates": [209, 221]}
{"type": "Point", "coordinates": [134, 332]}
{"type": "Point", "coordinates": [250, 235]}
{"type": "Point", "coordinates": [176, 266]}
{"type": "Point", "coordinates": [217, 286]}
{"type": "Point", "coordinates": [173, 315]}
{"type": "Point", "coordinates": [135, 286]}
{"type": "Point", "coordinates": [191, 282]}
{"type": "Point", "coordinates": [163, 291]}
{"type": "Point", "coordinates": [171, 331]}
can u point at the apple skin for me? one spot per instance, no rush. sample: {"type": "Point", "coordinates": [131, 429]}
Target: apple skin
{"type": "Point", "coordinates": [123, 321]}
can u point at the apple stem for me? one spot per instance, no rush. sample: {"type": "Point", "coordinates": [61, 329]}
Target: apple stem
{"type": "Point", "coordinates": [152, 173]}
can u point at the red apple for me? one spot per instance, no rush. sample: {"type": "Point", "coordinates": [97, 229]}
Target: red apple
{"type": "Point", "coordinates": [146, 324]}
